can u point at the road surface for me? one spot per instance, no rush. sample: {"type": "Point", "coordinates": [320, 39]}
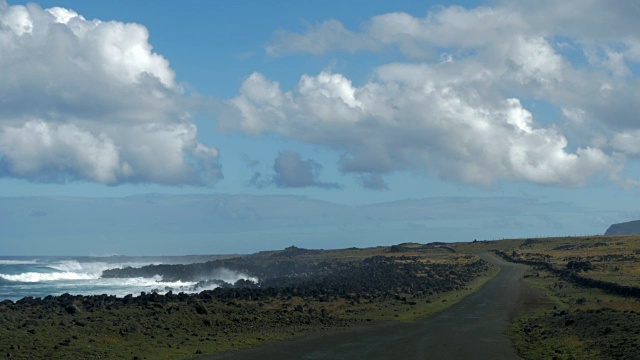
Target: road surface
{"type": "Point", "coordinates": [472, 329]}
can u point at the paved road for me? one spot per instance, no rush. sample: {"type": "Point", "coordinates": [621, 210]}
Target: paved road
{"type": "Point", "coordinates": [471, 329]}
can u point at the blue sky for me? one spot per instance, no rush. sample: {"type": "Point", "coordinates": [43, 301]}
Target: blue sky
{"type": "Point", "coordinates": [348, 103]}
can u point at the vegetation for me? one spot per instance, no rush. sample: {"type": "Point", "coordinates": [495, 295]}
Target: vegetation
{"type": "Point", "coordinates": [581, 301]}
{"type": "Point", "coordinates": [300, 292]}
{"type": "Point", "coordinates": [587, 296]}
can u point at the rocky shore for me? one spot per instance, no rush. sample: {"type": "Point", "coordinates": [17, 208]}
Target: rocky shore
{"type": "Point", "coordinates": [298, 292]}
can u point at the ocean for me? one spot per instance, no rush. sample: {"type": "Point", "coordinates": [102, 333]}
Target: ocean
{"type": "Point", "coordinates": [22, 276]}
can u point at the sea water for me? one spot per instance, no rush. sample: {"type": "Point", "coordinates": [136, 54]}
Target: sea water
{"type": "Point", "coordinates": [42, 276]}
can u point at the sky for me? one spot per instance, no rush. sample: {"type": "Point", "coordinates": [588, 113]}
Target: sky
{"type": "Point", "coordinates": [155, 127]}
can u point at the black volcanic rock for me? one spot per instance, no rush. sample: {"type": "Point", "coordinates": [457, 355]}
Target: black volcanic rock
{"type": "Point", "coordinates": [625, 228]}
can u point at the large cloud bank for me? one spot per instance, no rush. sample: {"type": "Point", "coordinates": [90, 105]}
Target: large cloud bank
{"type": "Point", "coordinates": [89, 100]}
{"type": "Point", "coordinates": [456, 106]}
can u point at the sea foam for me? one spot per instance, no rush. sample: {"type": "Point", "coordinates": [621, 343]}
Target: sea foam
{"type": "Point", "coordinates": [64, 270]}
{"type": "Point", "coordinates": [31, 277]}
{"type": "Point", "coordinates": [46, 276]}
{"type": "Point", "coordinates": [18, 262]}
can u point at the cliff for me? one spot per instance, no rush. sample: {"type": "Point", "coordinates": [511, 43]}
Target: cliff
{"type": "Point", "coordinates": [625, 228]}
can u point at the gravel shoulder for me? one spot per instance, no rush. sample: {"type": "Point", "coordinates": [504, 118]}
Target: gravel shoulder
{"type": "Point", "coordinates": [472, 329]}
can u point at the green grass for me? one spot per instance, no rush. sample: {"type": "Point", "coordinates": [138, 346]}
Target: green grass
{"type": "Point", "coordinates": [567, 322]}
{"type": "Point", "coordinates": [576, 322]}
{"type": "Point", "coordinates": [424, 306]}
{"type": "Point", "coordinates": [175, 330]}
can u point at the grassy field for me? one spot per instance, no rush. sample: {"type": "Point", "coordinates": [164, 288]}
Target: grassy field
{"type": "Point", "coordinates": [571, 320]}
{"type": "Point", "coordinates": [561, 317]}
{"type": "Point", "coordinates": [214, 322]}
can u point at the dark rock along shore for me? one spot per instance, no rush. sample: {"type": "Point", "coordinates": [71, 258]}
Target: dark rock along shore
{"type": "Point", "coordinates": [57, 326]}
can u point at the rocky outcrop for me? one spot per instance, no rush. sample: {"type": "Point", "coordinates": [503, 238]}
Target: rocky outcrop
{"type": "Point", "coordinates": [625, 228]}
{"type": "Point", "coordinates": [298, 291]}
{"type": "Point", "coordinates": [571, 274]}
{"type": "Point", "coordinates": [377, 277]}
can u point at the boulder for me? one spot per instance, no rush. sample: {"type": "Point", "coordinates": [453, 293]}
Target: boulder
{"type": "Point", "coordinates": [73, 309]}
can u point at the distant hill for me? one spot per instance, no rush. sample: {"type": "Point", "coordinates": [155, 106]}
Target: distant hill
{"type": "Point", "coordinates": [625, 228]}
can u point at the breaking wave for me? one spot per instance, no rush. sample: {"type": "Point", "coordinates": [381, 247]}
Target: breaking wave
{"type": "Point", "coordinates": [32, 277]}
{"type": "Point", "coordinates": [18, 262]}
{"type": "Point", "coordinates": [231, 276]}
{"type": "Point", "coordinates": [64, 270]}
{"type": "Point", "coordinates": [42, 277]}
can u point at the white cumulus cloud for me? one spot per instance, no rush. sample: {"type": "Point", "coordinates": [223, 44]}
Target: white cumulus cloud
{"type": "Point", "coordinates": [409, 118]}
{"type": "Point", "coordinates": [90, 100]}
{"type": "Point", "coordinates": [458, 106]}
